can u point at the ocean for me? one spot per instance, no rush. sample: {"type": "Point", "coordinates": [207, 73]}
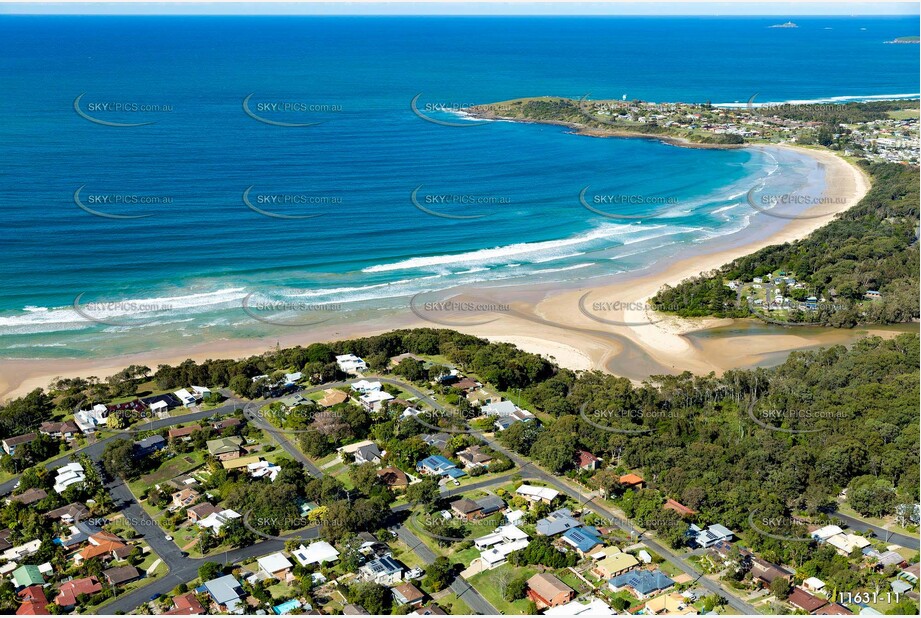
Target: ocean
{"type": "Point", "coordinates": [164, 180]}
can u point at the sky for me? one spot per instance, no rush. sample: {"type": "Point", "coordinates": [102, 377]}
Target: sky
{"type": "Point", "coordinates": [450, 7]}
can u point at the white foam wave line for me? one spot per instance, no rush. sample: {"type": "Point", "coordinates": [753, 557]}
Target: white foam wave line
{"type": "Point", "coordinates": [558, 257]}
{"type": "Point", "coordinates": [559, 270]}
{"type": "Point", "coordinates": [497, 254]}
{"type": "Point", "coordinates": [838, 99]}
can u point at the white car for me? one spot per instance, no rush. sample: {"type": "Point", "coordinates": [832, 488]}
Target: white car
{"type": "Point", "coordinates": [169, 538]}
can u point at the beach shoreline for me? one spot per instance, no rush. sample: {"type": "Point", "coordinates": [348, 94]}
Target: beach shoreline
{"type": "Point", "coordinates": [541, 320]}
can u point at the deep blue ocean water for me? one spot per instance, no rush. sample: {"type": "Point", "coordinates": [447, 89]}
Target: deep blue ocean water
{"type": "Point", "coordinates": [188, 263]}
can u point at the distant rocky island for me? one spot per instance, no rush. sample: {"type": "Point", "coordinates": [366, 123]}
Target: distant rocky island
{"type": "Point", "coordinates": [906, 39]}
{"type": "Point", "coordinates": [788, 24]}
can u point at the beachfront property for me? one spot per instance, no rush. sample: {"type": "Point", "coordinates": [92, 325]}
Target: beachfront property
{"type": "Point", "coordinates": [349, 363]}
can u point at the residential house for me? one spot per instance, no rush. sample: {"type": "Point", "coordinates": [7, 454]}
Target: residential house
{"type": "Point", "coordinates": [435, 465]}
{"type": "Point", "coordinates": [226, 423]}
{"type": "Point", "coordinates": [240, 462]}
{"type": "Point", "coordinates": [149, 445]}
{"type": "Point", "coordinates": [394, 478]}
{"type": "Point", "coordinates": [669, 604]}
{"type": "Point", "coordinates": [184, 497]}
{"type": "Point", "coordinates": [496, 547]}
{"type": "Point", "coordinates": [365, 386]}
{"type": "Point", "coordinates": [546, 590]}
{"type": "Point", "coordinates": [15, 554]}
{"type": "Point", "coordinates": [595, 607]}
{"type": "Point", "coordinates": [615, 562]}
{"type": "Point", "coordinates": [70, 474]}
{"type": "Point", "coordinates": [587, 461]}
{"type": "Point", "coordinates": [319, 552]}
{"type": "Point", "coordinates": [557, 522]}
{"type": "Point", "coordinates": [188, 399]}
{"type": "Point", "coordinates": [223, 449]}
{"type": "Point", "coordinates": [186, 605]}
{"type": "Point", "coordinates": [226, 592]}
{"type": "Point", "coordinates": [27, 575]}
{"type": "Point", "coordinates": [354, 610]}
{"type": "Point", "coordinates": [473, 457]}
{"type": "Point", "coordinates": [70, 513]}
{"type": "Point", "coordinates": [122, 575]}
{"type": "Point", "coordinates": [631, 481]}
{"type": "Point", "coordinates": [70, 590]}
{"type": "Point", "coordinates": [711, 536]}
{"type": "Point", "coordinates": [438, 440]}
{"type": "Point", "coordinates": [34, 602]}
{"type": "Point", "coordinates": [801, 599]}
{"type": "Point", "coordinates": [834, 609]}
{"type": "Point", "coordinates": [641, 583]}
{"type": "Point", "coordinates": [103, 545]}
{"type": "Point", "coordinates": [490, 504]}
{"type": "Point", "coordinates": [679, 508]}
{"type": "Point", "coordinates": [332, 397]}
{"type": "Point", "coordinates": [293, 401]}
{"type": "Point", "coordinates": [430, 610]}
{"type": "Point", "coordinates": [11, 444]}
{"type": "Point", "coordinates": [582, 540]}
{"type": "Point", "coordinates": [407, 594]}
{"type": "Point", "coordinates": [65, 430]}
{"type": "Point", "coordinates": [216, 521]}
{"type": "Point", "coordinates": [826, 532]}
{"type": "Point", "coordinates": [845, 543]}
{"type": "Point", "coordinates": [375, 400]}
{"type": "Point", "coordinates": [532, 493]}
{"type": "Point", "coordinates": [30, 496]}
{"type": "Point", "coordinates": [182, 433]}
{"type": "Point", "coordinates": [764, 572]}
{"type": "Point", "coordinates": [466, 509]}
{"type": "Point", "coordinates": [384, 570]}
{"type": "Point", "coordinates": [201, 511]}
{"type": "Point", "coordinates": [275, 565]}
{"type": "Point", "coordinates": [88, 420]}
{"type": "Point", "coordinates": [506, 414]}
{"type": "Point", "coordinates": [813, 584]}
{"type": "Point", "coordinates": [368, 453]}
{"type": "Point", "coordinates": [349, 363]}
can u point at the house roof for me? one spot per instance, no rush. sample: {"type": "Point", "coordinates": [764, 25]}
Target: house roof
{"type": "Point", "coordinates": [274, 563]}
{"type": "Point", "coordinates": [430, 610]}
{"type": "Point", "coordinates": [644, 582]}
{"type": "Point", "coordinates": [584, 458]}
{"type": "Point", "coordinates": [767, 571]}
{"type": "Point", "coordinates": [332, 397]}
{"type": "Point", "coordinates": [122, 574]}
{"type": "Point", "coordinates": [220, 446]}
{"type": "Point", "coordinates": [631, 479]}
{"type": "Point", "coordinates": [180, 432]}
{"type": "Point", "coordinates": [581, 539]}
{"type": "Point", "coordinates": [437, 462]}
{"type": "Point", "coordinates": [805, 601]}
{"type": "Point", "coordinates": [30, 496]}
{"type": "Point", "coordinates": [224, 589]}
{"type": "Point", "coordinates": [354, 610]}
{"type": "Point", "coordinates": [465, 506]}
{"type": "Point", "coordinates": [383, 565]}
{"type": "Point", "coordinates": [74, 510]}
{"type": "Point", "coordinates": [833, 609]}
{"type": "Point", "coordinates": [203, 510]}
{"type": "Point", "coordinates": [27, 575]}
{"type": "Point", "coordinates": [678, 508]}
{"type": "Point", "coordinates": [545, 493]}
{"type": "Point", "coordinates": [490, 504]}
{"type": "Point", "coordinates": [408, 593]}
{"type": "Point", "coordinates": [34, 602]}
{"type": "Point", "coordinates": [474, 454]}
{"type": "Point", "coordinates": [186, 604]}
{"type": "Point", "coordinates": [557, 522]}
{"type": "Point", "coordinates": [617, 562]}
{"type": "Point", "coordinates": [316, 553]}
{"type": "Point", "coordinates": [69, 591]}
{"type": "Point", "coordinates": [368, 452]}
{"type": "Point", "coordinates": [17, 440]}
{"type": "Point", "coordinates": [548, 586]}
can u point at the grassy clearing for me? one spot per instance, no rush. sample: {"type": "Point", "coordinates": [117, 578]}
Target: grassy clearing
{"type": "Point", "coordinates": [488, 583]}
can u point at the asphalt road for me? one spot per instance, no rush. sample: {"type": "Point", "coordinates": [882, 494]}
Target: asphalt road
{"type": "Point", "coordinates": [459, 586]}
{"type": "Point", "coordinates": [911, 542]}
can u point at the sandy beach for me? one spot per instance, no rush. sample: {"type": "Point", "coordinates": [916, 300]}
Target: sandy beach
{"type": "Point", "coordinates": [545, 321]}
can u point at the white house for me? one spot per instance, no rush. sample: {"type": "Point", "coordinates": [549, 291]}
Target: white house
{"type": "Point", "coordinates": [532, 493]}
{"type": "Point", "coordinates": [187, 398]}
{"type": "Point", "coordinates": [318, 553]}
{"type": "Point", "coordinates": [68, 475]}
{"type": "Point", "coordinates": [374, 400]}
{"type": "Point", "coordinates": [88, 420]}
{"type": "Point", "coordinates": [349, 363]}
{"type": "Point", "coordinates": [366, 386]}
{"type": "Point", "coordinates": [159, 407]}
{"type": "Point", "coordinates": [292, 378]}
{"type": "Point", "coordinates": [275, 565]}
{"type": "Point", "coordinates": [216, 521]}
{"type": "Point", "coordinates": [201, 391]}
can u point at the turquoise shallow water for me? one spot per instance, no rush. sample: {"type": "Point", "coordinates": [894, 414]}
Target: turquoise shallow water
{"type": "Point", "coordinates": [179, 269]}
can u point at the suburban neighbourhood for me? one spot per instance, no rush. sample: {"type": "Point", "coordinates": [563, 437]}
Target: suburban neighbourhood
{"type": "Point", "coordinates": [397, 490]}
